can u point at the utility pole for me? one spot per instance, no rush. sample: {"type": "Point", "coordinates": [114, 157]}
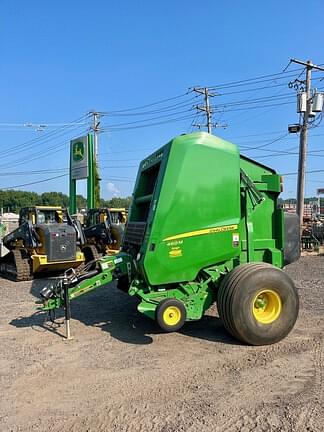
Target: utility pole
{"type": "Point", "coordinates": [96, 129]}
{"type": "Point", "coordinates": [206, 108]}
{"type": "Point", "coordinates": [303, 138]}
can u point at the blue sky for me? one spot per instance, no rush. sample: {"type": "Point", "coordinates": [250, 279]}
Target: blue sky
{"type": "Point", "coordinates": [61, 59]}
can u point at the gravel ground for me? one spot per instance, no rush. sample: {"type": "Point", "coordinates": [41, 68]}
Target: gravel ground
{"type": "Point", "coordinates": [121, 374]}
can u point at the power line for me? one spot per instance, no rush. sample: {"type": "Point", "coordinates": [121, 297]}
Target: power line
{"type": "Point", "coordinates": [307, 172]}
{"type": "Point", "coordinates": [267, 87]}
{"type": "Point", "coordinates": [55, 148]}
{"type": "Point", "coordinates": [172, 107]}
{"type": "Point", "coordinates": [270, 142]}
{"type": "Point", "coordinates": [145, 106]}
{"type": "Point", "coordinates": [253, 117]}
{"type": "Point", "coordinates": [267, 99]}
{"type": "Point", "coordinates": [120, 126]}
{"type": "Point", "coordinates": [149, 119]}
{"type": "Point", "coordinates": [171, 113]}
{"type": "Point", "coordinates": [31, 173]}
{"type": "Point", "coordinates": [259, 107]}
{"type": "Point", "coordinates": [151, 148]}
{"type": "Point", "coordinates": [41, 125]}
{"type": "Point", "coordinates": [289, 138]}
{"type": "Point", "coordinates": [272, 98]}
{"type": "Point", "coordinates": [257, 80]}
{"type": "Point", "coordinates": [288, 153]}
{"type": "Point", "coordinates": [36, 182]}
{"type": "Point", "coordinates": [39, 138]}
{"type": "Point", "coordinates": [117, 129]}
{"type": "Point", "coordinates": [119, 166]}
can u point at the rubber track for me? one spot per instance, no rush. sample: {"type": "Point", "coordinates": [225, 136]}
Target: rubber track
{"type": "Point", "coordinates": [95, 254]}
{"type": "Point", "coordinates": [19, 260]}
{"type": "Point", "coordinates": [22, 266]}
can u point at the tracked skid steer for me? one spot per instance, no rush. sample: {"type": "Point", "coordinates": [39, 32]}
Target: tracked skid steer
{"type": "Point", "coordinates": [46, 240]}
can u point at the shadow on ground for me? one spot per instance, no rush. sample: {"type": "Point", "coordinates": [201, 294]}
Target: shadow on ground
{"type": "Point", "coordinates": [40, 281]}
{"type": "Point", "coordinates": [115, 312]}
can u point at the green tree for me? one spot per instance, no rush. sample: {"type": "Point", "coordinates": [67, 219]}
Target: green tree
{"type": "Point", "coordinates": [14, 200]}
{"type": "Point", "coordinates": [81, 202]}
{"type": "Point", "coordinates": [119, 202]}
{"type": "Point", "coordinates": [55, 199]}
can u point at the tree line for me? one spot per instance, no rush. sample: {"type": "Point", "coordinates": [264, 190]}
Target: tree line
{"type": "Point", "coordinates": [14, 200]}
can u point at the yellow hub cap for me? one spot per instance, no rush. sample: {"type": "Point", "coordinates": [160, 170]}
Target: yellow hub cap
{"type": "Point", "coordinates": [171, 315]}
{"type": "Point", "coordinates": [266, 306]}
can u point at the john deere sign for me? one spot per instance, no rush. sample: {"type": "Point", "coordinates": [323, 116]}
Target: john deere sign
{"type": "Point", "coordinates": [81, 167]}
{"type": "Point", "coordinates": [79, 158]}
{"type": "Point", "coordinates": [78, 151]}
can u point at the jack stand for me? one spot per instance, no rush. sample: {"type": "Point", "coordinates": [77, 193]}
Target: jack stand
{"type": "Point", "coordinates": [67, 308]}
{"type": "Point", "coordinates": [67, 330]}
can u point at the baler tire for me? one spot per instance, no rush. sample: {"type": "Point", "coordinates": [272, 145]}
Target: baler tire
{"type": "Point", "coordinates": [240, 295]}
{"type": "Point", "coordinates": [224, 296]}
{"type": "Point", "coordinates": [170, 315]}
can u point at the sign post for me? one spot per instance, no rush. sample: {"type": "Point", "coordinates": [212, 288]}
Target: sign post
{"type": "Point", "coordinates": [91, 174]}
{"type": "Point", "coordinates": [81, 167]}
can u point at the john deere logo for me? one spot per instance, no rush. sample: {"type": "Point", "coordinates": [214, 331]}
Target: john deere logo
{"type": "Point", "coordinates": [78, 151]}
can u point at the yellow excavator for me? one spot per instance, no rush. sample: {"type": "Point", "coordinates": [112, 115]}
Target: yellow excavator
{"type": "Point", "coordinates": [46, 240]}
{"type": "Point", "coordinates": [103, 232]}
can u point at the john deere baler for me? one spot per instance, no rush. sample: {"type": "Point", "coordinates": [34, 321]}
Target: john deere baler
{"type": "Point", "coordinates": [204, 226]}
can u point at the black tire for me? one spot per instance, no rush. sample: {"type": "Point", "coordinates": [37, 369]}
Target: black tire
{"type": "Point", "coordinates": [169, 307]}
{"type": "Point", "coordinates": [222, 296]}
{"type": "Point", "coordinates": [238, 302]}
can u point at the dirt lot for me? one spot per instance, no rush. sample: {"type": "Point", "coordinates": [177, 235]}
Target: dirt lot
{"type": "Point", "coordinates": [121, 374]}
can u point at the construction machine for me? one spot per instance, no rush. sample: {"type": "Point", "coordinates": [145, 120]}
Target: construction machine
{"type": "Point", "coordinates": [204, 227]}
{"type": "Point", "coordinates": [46, 240]}
{"type": "Point", "coordinates": [103, 231]}
{"type": "Point", "coordinates": [118, 215]}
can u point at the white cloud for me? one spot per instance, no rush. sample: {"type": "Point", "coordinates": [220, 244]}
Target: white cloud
{"type": "Point", "coordinates": [113, 189]}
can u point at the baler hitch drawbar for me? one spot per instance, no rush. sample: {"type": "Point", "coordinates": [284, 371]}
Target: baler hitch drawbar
{"type": "Point", "coordinates": [59, 293]}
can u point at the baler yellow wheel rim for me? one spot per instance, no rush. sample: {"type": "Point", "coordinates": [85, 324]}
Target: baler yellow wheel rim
{"type": "Point", "coordinates": [172, 315]}
{"type": "Point", "coordinates": [267, 306]}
